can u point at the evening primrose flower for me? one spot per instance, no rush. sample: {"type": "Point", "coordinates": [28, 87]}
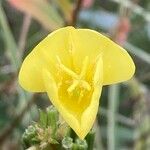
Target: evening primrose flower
{"type": "Point", "coordinates": [72, 65]}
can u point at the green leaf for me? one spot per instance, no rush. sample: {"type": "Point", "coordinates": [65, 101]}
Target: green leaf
{"type": "Point", "coordinates": [90, 140]}
{"type": "Point", "coordinates": [53, 118]}
{"type": "Point", "coordinates": [43, 119]}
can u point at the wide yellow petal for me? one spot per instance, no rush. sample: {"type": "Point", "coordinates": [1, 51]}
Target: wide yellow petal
{"type": "Point", "coordinates": [30, 74]}
{"type": "Point", "coordinates": [80, 115]}
{"type": "Point", "coordinates": [44, 55]}
{"type": "Point", "coordinates": [118, 65]}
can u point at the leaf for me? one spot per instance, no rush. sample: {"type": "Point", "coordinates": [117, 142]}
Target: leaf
{"type": "Point", "coordinates": [43, 119]}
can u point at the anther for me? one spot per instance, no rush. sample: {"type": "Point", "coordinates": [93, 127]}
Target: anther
{"type": "Point", "coordinates": [67, 70]}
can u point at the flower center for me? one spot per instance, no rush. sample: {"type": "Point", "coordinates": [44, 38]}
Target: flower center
{"type": "Point", "coordinates": [78, 80]}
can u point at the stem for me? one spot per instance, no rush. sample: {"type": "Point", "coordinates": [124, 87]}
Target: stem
{"type": "Point", "coordinates": [90, 140]}
{"type": "Point", "coordinates": [76, 12]}
{"type": "Point", "coordinates": [112, 106]}
{"type": "Point", "coordinates": [24, 33]}
{"type": "Point", "coordinates": [98, 138]}
{"type": "Point", "coordinates": [118, 118]}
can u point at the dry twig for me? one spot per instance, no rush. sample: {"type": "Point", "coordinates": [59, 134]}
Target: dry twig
{"type": "Point", "coordinates": [76, 12]}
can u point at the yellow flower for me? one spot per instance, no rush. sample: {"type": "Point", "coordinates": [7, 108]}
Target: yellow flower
{"type": "Point", "coordinates": [72, 65]}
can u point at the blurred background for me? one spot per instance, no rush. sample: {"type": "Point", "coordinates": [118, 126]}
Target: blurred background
{"type": "Point", "coordinates": [123, 121]}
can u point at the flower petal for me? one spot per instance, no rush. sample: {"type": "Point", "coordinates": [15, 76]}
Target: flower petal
{"type": "Point", "coordinates": [79, 116]}
{"type": "Point", "coordinates": [90, 113]}
{"type": "Point", "coordinates": [52, 91]}
{"type": "Point", "coordinates": [44, 55]}
{"type": "Point", "coordinates": [118, 65]}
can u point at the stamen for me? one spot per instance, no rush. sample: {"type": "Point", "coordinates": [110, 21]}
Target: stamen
{"type": "Point", "coordinates": [67, 70]}
{"type": "Point", "coordinates": [73, 86]}
{"type": "Point", "coordinates": [81, 95]}
{"type": "Point", "coordinates": [85, 85]}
